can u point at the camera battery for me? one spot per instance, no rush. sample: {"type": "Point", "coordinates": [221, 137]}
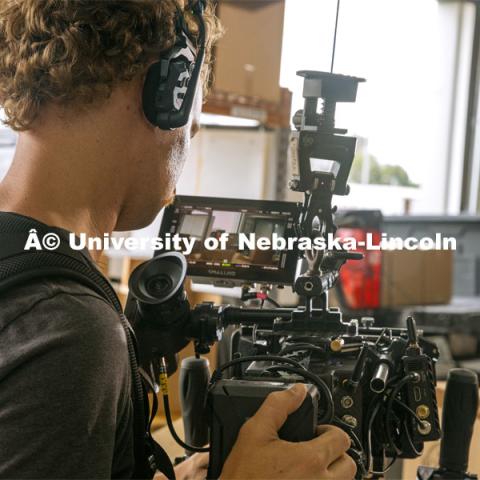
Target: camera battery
{"type": "Point", "coordinates": [232, 402]}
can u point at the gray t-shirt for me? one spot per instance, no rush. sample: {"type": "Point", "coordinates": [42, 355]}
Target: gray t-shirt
{"type": "Point", "coordinates": [65, 405]}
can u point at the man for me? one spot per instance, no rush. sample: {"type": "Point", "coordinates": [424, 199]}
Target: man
{"type": "Point", "coordinates": [88, 161]}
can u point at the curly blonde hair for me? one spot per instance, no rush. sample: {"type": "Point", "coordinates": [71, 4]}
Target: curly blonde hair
{"type": "Point", "coordinates": [77, 51]}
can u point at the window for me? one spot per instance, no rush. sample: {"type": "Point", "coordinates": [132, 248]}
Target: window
{"type": "Point", "coordinates": [410, 115]}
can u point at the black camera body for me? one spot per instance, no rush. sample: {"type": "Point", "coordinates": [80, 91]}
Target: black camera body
{"type": "Point", "coordinates": [360, 370]}
{"type": "Point", "coordinates": [378, 385]}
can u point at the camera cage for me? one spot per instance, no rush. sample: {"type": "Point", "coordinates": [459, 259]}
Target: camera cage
{"type": "Point", "coordinates": [368, 378]}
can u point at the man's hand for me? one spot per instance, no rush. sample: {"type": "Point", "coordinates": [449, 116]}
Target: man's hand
{"type": "Point", "coordinates": [259, 452]}
{"type": "Point", "coordinates": [193, 468]}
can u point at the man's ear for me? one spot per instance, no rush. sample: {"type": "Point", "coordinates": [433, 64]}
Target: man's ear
{"type": "Point", "coordinates": [197, 112]}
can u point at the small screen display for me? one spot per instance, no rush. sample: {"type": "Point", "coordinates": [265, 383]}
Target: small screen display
{"type": "Point", "coordinates": [240, 223]}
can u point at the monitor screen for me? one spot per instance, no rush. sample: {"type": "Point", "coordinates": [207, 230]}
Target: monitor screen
{"type": "Point", "coordinates": [240, 223]}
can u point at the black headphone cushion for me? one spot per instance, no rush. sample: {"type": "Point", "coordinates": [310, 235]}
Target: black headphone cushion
{"type": "Point", "coordinates": [150, 89]}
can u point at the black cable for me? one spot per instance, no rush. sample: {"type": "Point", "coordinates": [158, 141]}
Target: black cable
{"type": "Point", "coordinates": [356, 441]}
{"type": "Point", "coordinates": [163, 378]}
{"type": "Point", "coordinates": [386, 469]}
{"type": "Point", "coordinates": [301, 346]}
{"type": "Point", "coordinates": [345, 426]}
{"type": "Point", "coordinates": [410, 441]}
{"type": "Point", "coordinates": [317, 381]}
{"type": "Point", "coordinates": [273, 302]}
{"type": "Point", "coordinates": [369, 445]}
{"type": "Point", "coordinates": [388, 412]}
{"type": "Point", "coordinates": [374, 409]}
{"type": "Point", "coordinates": [390, 439]}
{"type": "Point", "coordinates": [369, 433]}
{"type": "Point", "coordinates": [254, 296]}
{"type": "Point", "coordinates": [171, 428]}
{"type": "Point", "coordinates": [410, 411]}
{"type": "Point", "coordinates": [253, 358]}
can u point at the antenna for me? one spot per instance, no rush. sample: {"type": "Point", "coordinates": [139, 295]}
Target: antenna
{"type": "Point", "coordinates": [335, 37]}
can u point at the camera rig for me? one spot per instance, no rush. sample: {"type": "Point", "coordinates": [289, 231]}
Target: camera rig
{"type": "Point", "coordinates": [377, 384]}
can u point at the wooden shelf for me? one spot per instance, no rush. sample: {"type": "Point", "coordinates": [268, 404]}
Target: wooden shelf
{"type": "Point", "coordinates": [269, 114]}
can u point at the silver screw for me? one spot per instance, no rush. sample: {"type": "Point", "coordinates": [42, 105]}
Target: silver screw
{"type": "Point", "coordinates": [425, 428]}
{"type": "Point", "coordinates": [346, 402]}
{"type": "Point", "coordinates": [350, 420]}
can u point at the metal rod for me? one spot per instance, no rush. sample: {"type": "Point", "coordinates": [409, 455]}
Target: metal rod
{"type": "Point", "coordinates": [335, 37]}
{"type": "Point", "coordinates": [380, 377]}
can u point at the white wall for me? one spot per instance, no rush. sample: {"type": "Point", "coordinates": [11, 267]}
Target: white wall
{"type": "Point", "coordinates": [230, 163]}
{"type": "Point", "coordinates": [7, 149]}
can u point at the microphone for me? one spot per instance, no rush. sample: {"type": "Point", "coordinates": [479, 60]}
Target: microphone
{"type": "Point", "coordinates": [460, 408]}
{"type": "Point", "coordinates": [194, 379]}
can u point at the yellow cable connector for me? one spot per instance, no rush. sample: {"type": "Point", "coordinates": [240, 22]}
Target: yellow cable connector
{"type": "Point", "coordinates": [163, 377]}
{"type": "Point", "coordinates": [163, 383]}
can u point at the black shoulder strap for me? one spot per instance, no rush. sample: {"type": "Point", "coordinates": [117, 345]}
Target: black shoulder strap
{"type": "Point", "coordinates": [18, 266]}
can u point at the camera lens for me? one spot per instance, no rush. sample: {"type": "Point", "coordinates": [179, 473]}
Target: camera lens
{"type": "Point", "coordinates": [159, 286]}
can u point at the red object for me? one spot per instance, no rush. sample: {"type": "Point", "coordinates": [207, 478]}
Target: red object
{"type": "Point", "coordinates": [360, 279]}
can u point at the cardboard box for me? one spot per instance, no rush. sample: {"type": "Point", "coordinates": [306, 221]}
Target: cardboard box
{"type": "Point", "coordinates": [422, 277]}
{"type": "Point", "coordinates": [247, 58]}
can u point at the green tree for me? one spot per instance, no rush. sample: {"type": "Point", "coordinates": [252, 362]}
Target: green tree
{"type": "Point", "coordinates": [380, 174]}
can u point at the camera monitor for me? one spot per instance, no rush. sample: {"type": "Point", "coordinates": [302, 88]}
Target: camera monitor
{"type": "Point", "coordinates": [235, 221]}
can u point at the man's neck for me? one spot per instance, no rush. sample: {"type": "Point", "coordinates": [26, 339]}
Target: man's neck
{"type": "Point", "coordinates": [65, 184]}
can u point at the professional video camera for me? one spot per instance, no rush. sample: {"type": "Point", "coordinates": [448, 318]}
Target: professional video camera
{"type": "Point", "coordinates": [377, 384]}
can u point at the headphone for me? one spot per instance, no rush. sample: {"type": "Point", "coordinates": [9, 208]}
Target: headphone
{"type": "Point", "coordinates": [171, 83]}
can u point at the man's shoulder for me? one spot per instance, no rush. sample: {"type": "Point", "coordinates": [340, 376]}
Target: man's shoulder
{"type": "Point", "coordinates": [59, 311]}
{"type": "Point", "coordinates": [25, 297]}
{"type": "Point", "coordinates": [68, 345]}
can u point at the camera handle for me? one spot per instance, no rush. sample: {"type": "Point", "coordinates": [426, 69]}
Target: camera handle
{"type": "Point", "coordinates": [193, 387]}
{"type": "Point", "coordinates": [459, 413]}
